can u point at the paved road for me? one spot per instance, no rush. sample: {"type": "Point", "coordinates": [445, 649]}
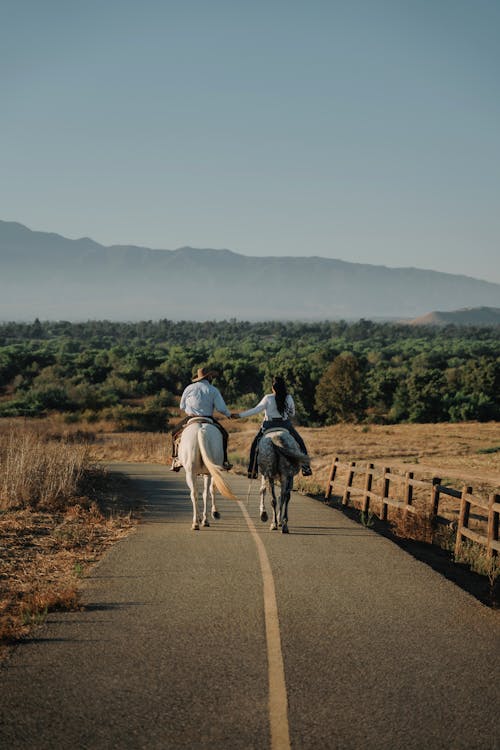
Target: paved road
{"type": "Point", "coordinates": [171, 652]}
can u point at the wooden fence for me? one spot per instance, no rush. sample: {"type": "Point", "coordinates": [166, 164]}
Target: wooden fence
{"type": "Point", "coordinates": [396, 490]}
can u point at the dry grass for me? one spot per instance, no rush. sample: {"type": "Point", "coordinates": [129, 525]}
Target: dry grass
{"type": "Point", "coordinates": [450, 451]}
{"type": "Point", "coordinates": [453, 452]}
{"type": "Point", "coordinates": [435, 448]}
{"type": "Point", "coordinates": [461, 453]}
{"type": "Point", "coordinates": [36, 472]}
{"type": "Point", "coordinates": [58, 514]}
{"type": "Point", "coordinates": [100, 442]}
{"type": "Point", "coordinates": [46, 547]}
{"type": "Point", "coordinates": [466, 452]}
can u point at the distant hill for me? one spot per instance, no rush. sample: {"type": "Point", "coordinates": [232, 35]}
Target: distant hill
{"type": "Point", "coordinates": [53, 278]}
{"type": "Point", "coordinates": [467, 316]}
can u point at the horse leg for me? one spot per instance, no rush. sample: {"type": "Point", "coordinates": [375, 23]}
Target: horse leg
{"type": "Point", "coordinates": [191, 483]}
{"type": "Point", "coordinates": [206, 483]}
{"type": "Point", "coordinates": [274, 524]}
{"type": "Point", "coordinates": [215, 512]}
{"type": "Point", "coordinates": [262, 509]}
{"type": "Point", "coordinates": [286, 488]}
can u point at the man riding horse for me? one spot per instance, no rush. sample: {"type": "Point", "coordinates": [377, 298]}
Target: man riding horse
{"type": "Point", "coordinates": [201, 399]}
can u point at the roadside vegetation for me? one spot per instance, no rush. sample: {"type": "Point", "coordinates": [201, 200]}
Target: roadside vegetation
{"type": "Point", "coordinates": [58, 513]}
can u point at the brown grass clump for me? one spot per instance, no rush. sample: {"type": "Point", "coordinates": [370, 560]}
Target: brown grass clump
{"type": "Point", "coordinates": [37, 473]}
{"type": "Point", "coordinates": [58, 514]}
{"type": "Point", "coordinates": [148, 447]}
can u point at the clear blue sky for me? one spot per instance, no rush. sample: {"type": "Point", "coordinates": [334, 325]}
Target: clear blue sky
{"type": "Point", "coordinates": [367, 130]}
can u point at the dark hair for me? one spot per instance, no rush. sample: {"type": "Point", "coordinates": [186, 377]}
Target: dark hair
{"type": "Point", "coordinates": [280, 392]}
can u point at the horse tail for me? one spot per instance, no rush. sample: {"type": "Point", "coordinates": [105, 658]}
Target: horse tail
{"type": "Point", "coordinates": [287, 446]}
{"type": "Point", "coordinates": [214, 470]}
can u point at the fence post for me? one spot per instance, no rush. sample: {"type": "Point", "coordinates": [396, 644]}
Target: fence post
{"type": "Point", "coordinates": [368, 486]}
{"type": "Point", "coordinates": [463, 518]}
{"type": "Point", "coordinates": [493, 518]}
{"type": "Point", "coordinates": [385, 492]}
{"type": "Point", "coordinates": [331, 478]}
{"type": "Point", "coordinates": [408, 494]}
{"type": "Point", "coordinates": [348, 483]}
{"type": "Point", "coordinates": [435, 498]}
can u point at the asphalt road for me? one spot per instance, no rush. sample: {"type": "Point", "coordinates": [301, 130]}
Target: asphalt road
{"type": "Point", "coordinates": [171, 652]}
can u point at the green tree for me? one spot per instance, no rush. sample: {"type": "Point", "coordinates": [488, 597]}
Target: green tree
{"type": "Point", "coordinates": [426, 391]}
{"type": "Point", "coordinates": [339, 395]}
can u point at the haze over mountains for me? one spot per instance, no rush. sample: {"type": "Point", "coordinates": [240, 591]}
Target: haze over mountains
{"type": "Point", "coordinates": [53, 278]}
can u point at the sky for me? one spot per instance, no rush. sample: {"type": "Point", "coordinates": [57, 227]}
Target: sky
{"type": "Point", "coordinates": [365, 130]}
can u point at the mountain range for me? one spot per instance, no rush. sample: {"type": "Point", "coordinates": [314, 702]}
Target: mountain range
{"type": "Point", "coordinates": [51, 277]}
{"type": "Point", "coordinates": [467, 316]}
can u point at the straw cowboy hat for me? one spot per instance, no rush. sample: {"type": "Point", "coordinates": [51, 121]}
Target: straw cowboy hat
{"type": "Point", "coordinates": [204, 372]}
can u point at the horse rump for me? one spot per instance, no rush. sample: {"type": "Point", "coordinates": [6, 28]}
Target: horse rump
{"type": "Point", "coordinates": [287, 446]}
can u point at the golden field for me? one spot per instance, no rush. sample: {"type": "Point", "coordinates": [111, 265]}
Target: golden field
{"type": "Point", "coordinates": [467, 451]}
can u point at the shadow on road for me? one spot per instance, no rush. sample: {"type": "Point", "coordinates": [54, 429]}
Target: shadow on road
{"type": "Point", "coordinates": [440, 560]}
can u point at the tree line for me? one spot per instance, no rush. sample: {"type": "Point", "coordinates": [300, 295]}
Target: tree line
{"type": "Point", "coordinates": [133, 373]}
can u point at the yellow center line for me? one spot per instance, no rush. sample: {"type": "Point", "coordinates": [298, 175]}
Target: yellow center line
{"type": "Point", "coordinates": [278, 703]}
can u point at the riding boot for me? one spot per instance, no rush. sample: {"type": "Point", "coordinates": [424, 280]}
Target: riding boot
{"type": "Point", "coordinates": [252, 472]}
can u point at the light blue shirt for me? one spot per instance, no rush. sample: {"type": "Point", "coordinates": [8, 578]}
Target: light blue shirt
{"type": "Point", "coordinates": [201, 399]}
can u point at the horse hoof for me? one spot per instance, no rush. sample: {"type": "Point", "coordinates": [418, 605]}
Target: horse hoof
{"type": "Point", "coordinates": [195, 526]}
{"type": "Point", "coordinates": [274, 527]}
{"type": "Point", "coordinates": [216, 514]}
{"type": "Point", "coordinates": [284, 529]}
{"type": "Point", "coordinates": [205, 523]}
{"type": "Point", "coordinates": [263, 516]}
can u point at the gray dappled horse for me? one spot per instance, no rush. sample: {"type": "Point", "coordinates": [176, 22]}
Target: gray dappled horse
{"type": "Point", "coordinates": [201, 453]}
{"type": "Point", "coordinates": [279, 458]}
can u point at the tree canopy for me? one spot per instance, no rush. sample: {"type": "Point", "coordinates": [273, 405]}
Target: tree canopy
{"type": "Point", "coordinates": [336, 371]}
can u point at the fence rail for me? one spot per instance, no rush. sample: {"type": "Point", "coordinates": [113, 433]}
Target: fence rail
{"type": "Point", "coordinates": [396, 490]}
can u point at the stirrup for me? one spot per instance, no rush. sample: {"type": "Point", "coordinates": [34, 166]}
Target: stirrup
{"type": "Point", "coordinates": [227, 466]}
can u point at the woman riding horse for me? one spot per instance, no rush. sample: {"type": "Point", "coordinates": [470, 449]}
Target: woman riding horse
{"type": "Point", "coordinates": [278, 407]}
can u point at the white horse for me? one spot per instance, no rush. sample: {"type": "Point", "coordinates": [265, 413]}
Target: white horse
{"type": "Point", "coordinates": [201, 452]}
{"type": "Point", "coordinates": [279, 457]}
